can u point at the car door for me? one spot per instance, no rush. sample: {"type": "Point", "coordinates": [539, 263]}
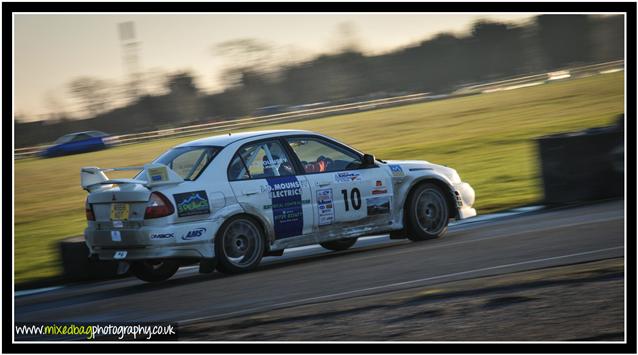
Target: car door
{"type": "Point", "coordinates": [95, 141]}
{"type": "Point", "coordinates": [264, 181]}
{"type": "Point", "coordinates": [77, 144]}
{"type": "Point", "coordinates": [344, 191]}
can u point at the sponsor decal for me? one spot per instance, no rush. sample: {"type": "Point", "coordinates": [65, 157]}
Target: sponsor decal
{"type": "Point", "coordinates": [116, 236]}
{"type": "Point", "coordinates": [285, 189]}
{"type": "Point", "coordinates": [379, 188]}
{"type": "Point", "coordinates": [347, 176]}
{"type": "Point", "coordinates": [158, 236]}
{"type": "Point", "coordinates": [325, 207]}
{"type": "Point", "coordinates": [396, 170]}
{"type": "Point", "coordinates": [192, 203]}
{"type": "Point", "coordinates": [269, 189]}
{"type": "Point", "coordinates": [118, 224]}
{"type": "Point", "coordinates": [286, 205]}
{"type": "Point", "coordinates": [275, 163]}
{"type": "Point", "coordinates": [420, 169]}
{"type": "Point", "coordinates": [158, 174]}
{"type": "Point", "coordinates": [303, 202]}
{"type": "Point", "coordinates": [120, 254]}
{"type": "Point", "coordinates": [378, 205]}
{"type": "Point", "coordinates": [194, 234]}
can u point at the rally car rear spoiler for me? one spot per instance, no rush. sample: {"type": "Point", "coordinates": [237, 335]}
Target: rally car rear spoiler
{"type": "Point", "coordinates": [93, 178]}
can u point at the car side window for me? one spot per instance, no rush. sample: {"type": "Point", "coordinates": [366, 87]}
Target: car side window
{"type": "Point", "coordinates": [191, 163]}
{"type": "Point", "coordinates": [64, 139]}
{"type": "Point", "coordinates": [260, 160]}
{"type": "Point", "coordinates": [318, 156]}
{"type": "Point", "coordinates": [80, 137]}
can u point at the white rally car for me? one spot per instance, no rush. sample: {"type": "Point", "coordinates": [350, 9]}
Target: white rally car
{"type": "Point", "coordinates": [226, 201]}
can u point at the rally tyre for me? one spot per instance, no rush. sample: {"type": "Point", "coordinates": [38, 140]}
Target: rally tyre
{"type": "Point", "coordinates": [239, 245]}
{"type": "Point", "coordinates": [341, 244]}
{"type": "Point", "coordinates": [427, 213]}
{"type": "Point", "coordinates": [154, 270]}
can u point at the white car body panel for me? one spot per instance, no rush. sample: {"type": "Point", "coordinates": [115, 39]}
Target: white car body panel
{"type": "Point", "coordinates": [318, 197]}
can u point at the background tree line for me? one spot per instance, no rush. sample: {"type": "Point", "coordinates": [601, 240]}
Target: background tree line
{"type": "Point", "coordinates": [492, 50]}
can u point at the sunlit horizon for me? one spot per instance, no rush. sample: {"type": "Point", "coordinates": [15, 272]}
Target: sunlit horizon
{"type": "Point", "coordinates": [51, 50]}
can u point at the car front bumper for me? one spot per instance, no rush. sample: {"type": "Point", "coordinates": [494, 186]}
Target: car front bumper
{"type": "Point", "coordinates": [465, 195]}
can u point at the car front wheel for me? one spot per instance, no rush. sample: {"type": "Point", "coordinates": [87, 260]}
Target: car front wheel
{"type": "Point", "coordinates": [239, 245]}
{"type": "Point", "coordinates": [154, 270]}
{"type": "Point", "coordinates": [427, 213]}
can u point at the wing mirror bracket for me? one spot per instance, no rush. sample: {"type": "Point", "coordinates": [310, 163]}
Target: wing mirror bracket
{"type": "Point", "coordinates": [368, 160]}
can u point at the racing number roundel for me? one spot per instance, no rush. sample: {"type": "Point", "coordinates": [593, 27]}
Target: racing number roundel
{"type": "Point", "coordinates": [355, 198]}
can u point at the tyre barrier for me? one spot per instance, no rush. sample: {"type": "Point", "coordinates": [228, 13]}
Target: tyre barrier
{"type": "Point", "coordinates": [583, 166]}
{"type": "Point", "coordinates": [77, 266]}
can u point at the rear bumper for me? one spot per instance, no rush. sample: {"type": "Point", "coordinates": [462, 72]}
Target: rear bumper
{"type": "Point", "coordinates": [173, 252]}
{"type": "Point", "coordinates": [184, 240]}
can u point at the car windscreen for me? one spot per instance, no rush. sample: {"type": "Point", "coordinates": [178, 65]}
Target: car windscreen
{"type": "Point", "coordinates": [96, 134]}
{"type": "Point", "coordinates": [64, 139]}
{"type": "Point", "coordinates": [188, 162]}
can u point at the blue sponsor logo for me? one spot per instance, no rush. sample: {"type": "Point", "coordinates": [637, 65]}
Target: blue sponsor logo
{"type": "Point", "coordinates": [396, 170]}
{"type": "Point", "coordinates": [162, 236]}
{"type": "Point", "coordinates": [285, 195]}
{"type": "Point", "coordinates": [347, 176]}
{"type": "Point", "coordinates": [194, 234]}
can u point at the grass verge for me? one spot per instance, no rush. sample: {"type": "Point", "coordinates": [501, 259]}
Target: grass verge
{"type": "Point", "coordinates": [488, 139]}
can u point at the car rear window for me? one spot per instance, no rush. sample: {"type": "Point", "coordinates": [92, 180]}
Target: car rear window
{"type": "Point", "coordinates": [188, 162]}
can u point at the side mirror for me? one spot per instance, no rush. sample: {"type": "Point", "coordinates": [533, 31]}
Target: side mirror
{"type": "Point", "coordinates": [368, 160]}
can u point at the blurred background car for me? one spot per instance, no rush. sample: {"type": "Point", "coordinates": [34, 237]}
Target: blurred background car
{"type": "Point", "coordinates": [269, 110]}
{"type": "Point", "coordinates": [78, 142]}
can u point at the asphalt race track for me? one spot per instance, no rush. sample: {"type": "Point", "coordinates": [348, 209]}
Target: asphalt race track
{"type": "Point", "coordinates": [374, 265]}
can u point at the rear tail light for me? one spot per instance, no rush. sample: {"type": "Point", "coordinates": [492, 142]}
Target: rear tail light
{"type": "Point", "coordinates": [88, 209]}
{"type": "Point", "coordinates": [158, 206]}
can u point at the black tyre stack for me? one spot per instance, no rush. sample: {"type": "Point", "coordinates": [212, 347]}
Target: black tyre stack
{"type": "Point", "coordinates": [583, 166]}
{"type": "Point", "coordinates": [77, 266]}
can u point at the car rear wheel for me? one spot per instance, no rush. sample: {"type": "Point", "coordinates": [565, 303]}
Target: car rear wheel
{"type": "Point", "coordinates": [427, 213]}
{"type": "Point", "coordinates": [154, 270]}
{"type": "Point", "coordinates": [239, 245]}
{"type": "Point", "coordinates": [341, 244]}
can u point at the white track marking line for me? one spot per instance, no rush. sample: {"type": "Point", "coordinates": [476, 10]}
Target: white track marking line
{"type": "Point", "coordinates": [483, 218]}
{"type": "Point", "coordinates": [290, 252]}
{"type": "Point", "coordinates": [506, 235]}
{"type": "Point", "coordinates": [461, 224]}
{"type": "Point", "coordinates": [35, 291]}
{"type": "Point", "coordinates": [393, 285]}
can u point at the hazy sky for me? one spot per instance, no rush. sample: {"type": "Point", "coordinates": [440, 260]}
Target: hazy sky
{"type": "Point", "coordinates": [51, 50]}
